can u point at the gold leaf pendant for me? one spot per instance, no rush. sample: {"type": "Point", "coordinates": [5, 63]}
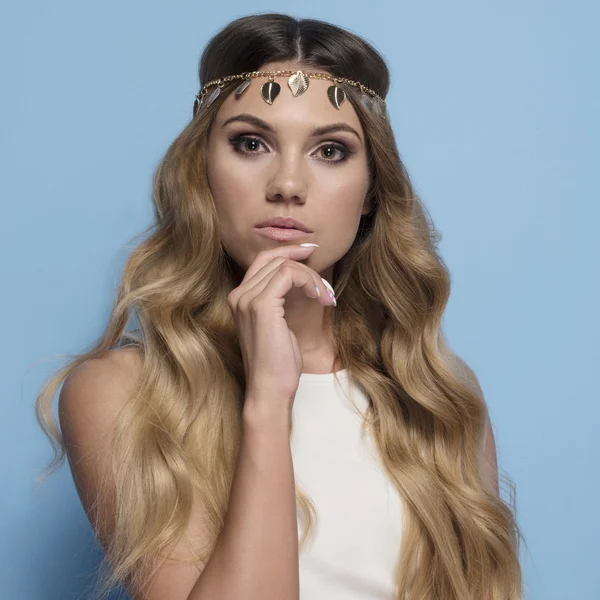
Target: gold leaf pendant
{"type": "Point", "coordinates": [211, 97]}
{"type": "Point", "coordinates": [336, 95]}
{"type": "Point", "coordinates": [298, 83]}
{"type": "Point", "coordinates": [239, 90]}
{"type": "Point", "coordinates": [270, 91]}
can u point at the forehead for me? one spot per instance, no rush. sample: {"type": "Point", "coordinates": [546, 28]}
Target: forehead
{"type": "Point", "coordinates": [311, 109]}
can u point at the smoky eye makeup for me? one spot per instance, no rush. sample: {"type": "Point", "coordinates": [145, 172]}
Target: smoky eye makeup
{"type": "Point", "coordinates": [247, 144]}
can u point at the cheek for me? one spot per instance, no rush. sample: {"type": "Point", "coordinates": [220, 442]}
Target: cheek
{"type": "Point", "coordinates": [340, 220]}
{"type": "Point", "coordinates": [228, 187]}
{"type": "Point", "coordinates": [348, 193]}
{"type": "Point", "coordinates": [350, 179]}
{"type": "Point", "coordinates": [220, 178]}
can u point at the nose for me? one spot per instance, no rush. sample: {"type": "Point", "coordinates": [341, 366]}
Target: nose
{"type": "Point", "coordinates": [289, 180]}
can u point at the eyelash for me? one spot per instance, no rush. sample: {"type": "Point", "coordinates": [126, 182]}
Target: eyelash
{"type": "Point", "coordinates": [237, 141]}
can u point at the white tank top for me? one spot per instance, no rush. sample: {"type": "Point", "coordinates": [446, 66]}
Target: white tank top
{"type": "Point", "coordinates": [358, 536]}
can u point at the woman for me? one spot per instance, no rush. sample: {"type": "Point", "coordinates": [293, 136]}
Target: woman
{"type": "Point", "coordinates": [251, 390]}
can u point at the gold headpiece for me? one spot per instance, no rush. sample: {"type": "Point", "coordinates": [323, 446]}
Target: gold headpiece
{"type": "Point", "coordinates": [297, 80]}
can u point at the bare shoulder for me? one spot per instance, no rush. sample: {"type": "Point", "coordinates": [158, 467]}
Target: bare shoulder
{"type": "Point", "coordinates": [92, 396]}
{"type": "Point", "coordinates": [89, 405]}
{"type": "Point", "coordinates": [96, 390]}
{"type": "Point", "coordinates": [489, 458]}
{"type": "Point", "coordinates": [119, 367]}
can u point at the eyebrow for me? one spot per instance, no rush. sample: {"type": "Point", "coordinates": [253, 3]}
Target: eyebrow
{"type": "Point", "coordinates": [325, 129]}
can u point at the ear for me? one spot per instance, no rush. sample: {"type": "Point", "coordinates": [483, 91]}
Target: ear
{"type": "Point", "coordinates": [368, 202]}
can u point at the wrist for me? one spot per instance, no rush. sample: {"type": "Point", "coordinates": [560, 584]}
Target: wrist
{"type": "Point", "coordinates": [260, 412]}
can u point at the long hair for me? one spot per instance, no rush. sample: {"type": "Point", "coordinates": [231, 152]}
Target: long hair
{"type": "Point", "coordinates": [179, 433]}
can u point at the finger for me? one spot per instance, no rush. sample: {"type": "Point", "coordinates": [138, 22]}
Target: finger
{"type": "Point", "coordinates": [275, 263]}
{"type": "Point", "coordinates": [293, 252]}
{"type": "Point", "coordinates": [281, 281]}
{"type": "Point", "coordinates": [309, 286]}
{"type": "Point", "coordinates": [264, 275]}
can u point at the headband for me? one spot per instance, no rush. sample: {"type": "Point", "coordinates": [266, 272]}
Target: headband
{"type": "Point", "coordinates": [298, 82]}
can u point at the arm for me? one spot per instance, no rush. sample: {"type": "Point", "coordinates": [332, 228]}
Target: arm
{"type": "Point", "coordinates": [489, 462]}
{"type": "Point", "coordinates": [256, 555]}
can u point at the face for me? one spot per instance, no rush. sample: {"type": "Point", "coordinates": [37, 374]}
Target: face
{"type": "Point", "coordinates": [276, 165]}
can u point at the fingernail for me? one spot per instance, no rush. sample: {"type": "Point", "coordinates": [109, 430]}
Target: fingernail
{"type": "Point", "coordinates": [309, 245]}
{"type": "Point", "coordinates": [330, 290]}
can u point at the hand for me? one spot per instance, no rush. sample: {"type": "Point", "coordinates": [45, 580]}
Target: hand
{"type": "Point", "coordinates": [272, 357]}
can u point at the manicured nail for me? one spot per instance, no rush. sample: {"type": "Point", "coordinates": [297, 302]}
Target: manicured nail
{"type": "Point", "coordinates": [318, 291]}
{"type": "Point", "coordinates": [330, 290]}
{"type": "Point", "coordinates": [309, 245]}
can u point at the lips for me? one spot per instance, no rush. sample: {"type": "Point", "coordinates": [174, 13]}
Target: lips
{"type": "Point", "coordinates": [281, 233]}
{"type": "Point", "coordinates": [284, 223]}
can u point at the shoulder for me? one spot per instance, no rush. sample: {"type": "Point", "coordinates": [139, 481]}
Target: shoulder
{"type": "Point", "coordinates": [465, 371]}
{"type": "Point", "coordinates": [89, 403]}
{"type": "Point", "coordinates": [97, 388]}
{"type": "Point", "coordinates": [93, 394]}
{"type": "Point", "coordinates": [488, 455]}
{"type": "Point", "coordinates": [88, 406]}
{"type": "Point", "coordinates": [117, 371]}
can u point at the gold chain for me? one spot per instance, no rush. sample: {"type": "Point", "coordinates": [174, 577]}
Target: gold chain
{"type": "Point", "coordinates": [272, 74]}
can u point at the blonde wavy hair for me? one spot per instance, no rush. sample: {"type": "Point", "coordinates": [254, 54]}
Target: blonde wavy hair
{"type": "Point", "coordinates": [179, 433]}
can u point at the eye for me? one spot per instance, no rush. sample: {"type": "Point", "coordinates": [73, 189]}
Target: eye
{"type": "Point", "coordinates": [243, 140]}
{"type": "Point", "coordinates": [243, 143]}
{"type": "Point", "coordinates": [344, 152]}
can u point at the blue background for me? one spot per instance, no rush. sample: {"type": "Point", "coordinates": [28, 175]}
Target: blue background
{"type": "Point", "coordinates": [495, 109]}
